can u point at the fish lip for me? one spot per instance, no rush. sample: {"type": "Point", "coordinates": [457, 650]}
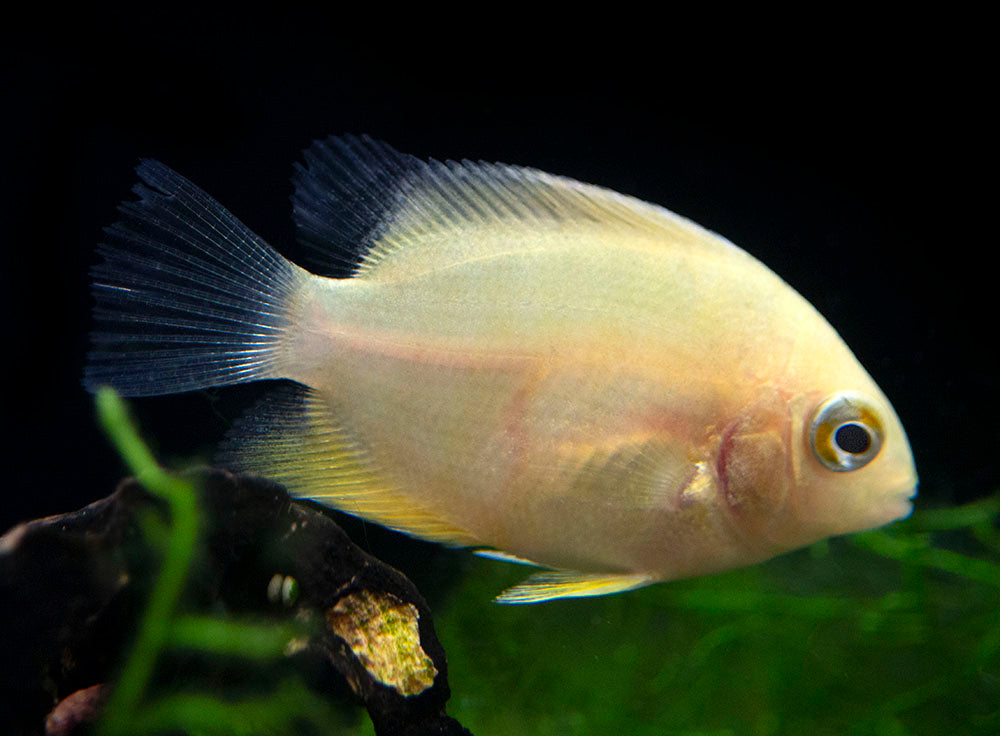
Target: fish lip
{"type": "Point", "coordinates": [900, 503]}
{"type": "Point", "coordinates": [906, 488]}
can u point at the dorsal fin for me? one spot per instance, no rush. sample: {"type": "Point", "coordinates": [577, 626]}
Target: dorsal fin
{"type": "Point", "coordinates": [294, 439]}
{"type": "Point", "coordinates": [343, 195]}
{"type": "Point", "coordinates": [358, 200]}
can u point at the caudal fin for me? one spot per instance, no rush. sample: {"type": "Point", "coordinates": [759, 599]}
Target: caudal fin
{"type": "Point", "coordinates": [187, 296]}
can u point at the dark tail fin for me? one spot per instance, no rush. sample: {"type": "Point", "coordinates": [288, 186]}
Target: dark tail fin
{"type": "Point", "coordinates": [187, 296]}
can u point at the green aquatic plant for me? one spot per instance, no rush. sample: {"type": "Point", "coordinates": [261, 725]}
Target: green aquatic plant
{"type": "Point", "coordinates": [163, 628]}
{"type": "Point", "coordinates": [894, 631]}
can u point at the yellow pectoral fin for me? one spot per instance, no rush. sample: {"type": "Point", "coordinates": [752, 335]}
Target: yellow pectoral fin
{"type": "Point", "coordinates": [553, 584]}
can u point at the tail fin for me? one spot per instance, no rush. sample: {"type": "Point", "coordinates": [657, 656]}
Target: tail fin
{"type": "Point", "coordinates": [187, 296]}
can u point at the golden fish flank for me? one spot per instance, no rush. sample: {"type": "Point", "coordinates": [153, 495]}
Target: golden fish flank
{"type": "Point", "coordinates": [520, 362]}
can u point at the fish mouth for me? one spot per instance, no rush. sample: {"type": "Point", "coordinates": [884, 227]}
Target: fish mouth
{"type": "Point", "coordinates": [901, 508]}
{"type": "Point", "coordinates": [899, 505]}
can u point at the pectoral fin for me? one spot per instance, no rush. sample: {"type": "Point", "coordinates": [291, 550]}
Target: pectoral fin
{"type": "Point", "coordinates": [552, 584]}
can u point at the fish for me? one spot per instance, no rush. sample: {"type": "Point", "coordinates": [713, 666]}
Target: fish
{"type": "Point", "coordinates": [497, 358]}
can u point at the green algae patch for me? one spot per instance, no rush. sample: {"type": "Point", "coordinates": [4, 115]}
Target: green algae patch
{"type": "Point", "coordinates": [384, 634]}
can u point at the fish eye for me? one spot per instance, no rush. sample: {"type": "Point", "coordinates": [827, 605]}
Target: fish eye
{"type": "Point", "coordinates": [846, 433]}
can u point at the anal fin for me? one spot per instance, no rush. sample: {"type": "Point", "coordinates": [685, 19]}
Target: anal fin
{"type": "Point", "coordinates": [554, 584]}
{"type": "Point", "coordinates": [295, 439]}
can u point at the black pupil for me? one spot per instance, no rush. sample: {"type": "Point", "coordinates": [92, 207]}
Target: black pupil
{"type": "Point", "coordinates": [853, 438]}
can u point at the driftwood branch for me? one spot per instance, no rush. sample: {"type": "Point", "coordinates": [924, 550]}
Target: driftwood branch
{"type": "Point", "coordinates": [72, 589]}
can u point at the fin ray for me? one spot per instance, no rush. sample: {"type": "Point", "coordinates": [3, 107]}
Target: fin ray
{"type": "Point", "coordinates": [641, 468]}
{"type": "Point", "coordinates": [554, 584]}
{"type": "Point", "coordinates": [187, 296]}
{"type": "Point", "coordinates": [358, 200]}
{"type": "Point", "coordinates": [495, 554]}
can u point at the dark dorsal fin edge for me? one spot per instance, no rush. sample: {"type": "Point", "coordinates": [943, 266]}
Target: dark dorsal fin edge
{"type": "Point", "coordinates": [356, 200]}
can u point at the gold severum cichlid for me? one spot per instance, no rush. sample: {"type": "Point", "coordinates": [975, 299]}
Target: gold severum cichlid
{"type": "Point", "coordinates": [542, 369]}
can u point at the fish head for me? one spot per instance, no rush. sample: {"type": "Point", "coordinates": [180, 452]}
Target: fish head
{"type": "Point", "coordinates": [804, 463]}
{"type": "Point", "coordinates": [854, 467]}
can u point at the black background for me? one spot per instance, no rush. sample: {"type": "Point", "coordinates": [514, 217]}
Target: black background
{"type": "Point", "coordinates": [852, 163]}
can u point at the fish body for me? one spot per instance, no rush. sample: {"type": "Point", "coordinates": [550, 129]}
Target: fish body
{"type": "Point", "coordinates": [546, 369]}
